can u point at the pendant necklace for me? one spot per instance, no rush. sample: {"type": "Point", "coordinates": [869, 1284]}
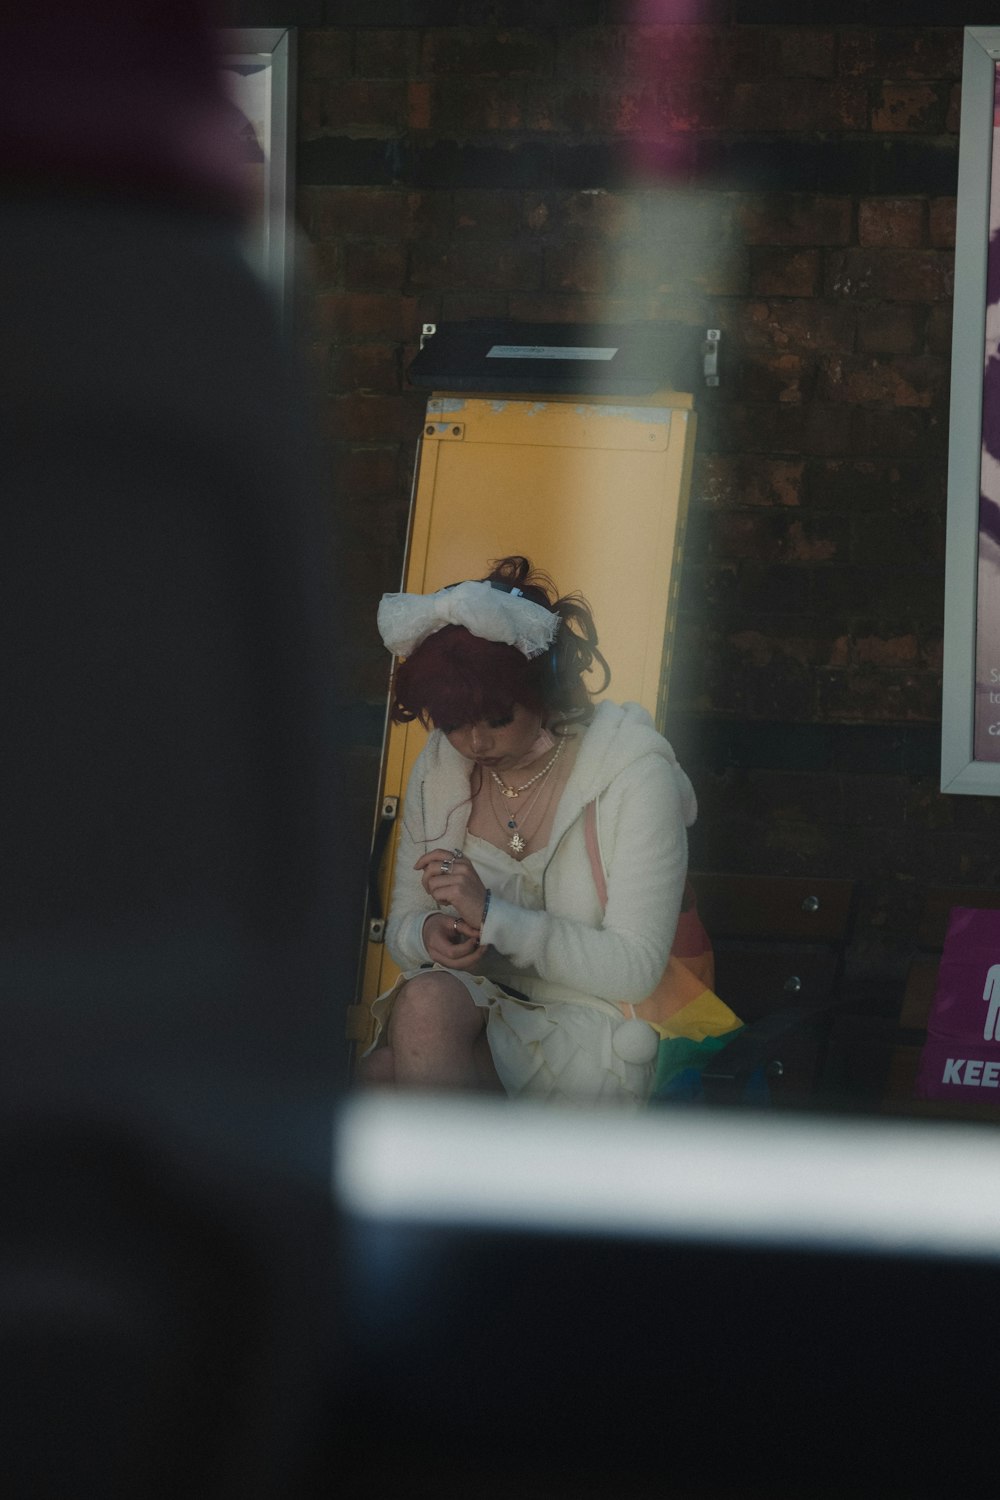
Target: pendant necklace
{"type": "Point", "coordinates": [515, 791]}
{"type": "Point", "coordinates": [517, 843]}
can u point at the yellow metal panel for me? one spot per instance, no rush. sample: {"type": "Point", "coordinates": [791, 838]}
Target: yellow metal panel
{"type": "Point", "coordinates": [594, 491]}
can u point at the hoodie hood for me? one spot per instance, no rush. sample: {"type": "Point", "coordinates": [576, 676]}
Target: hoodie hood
{"type": "Point", "coordinates": [618, 735]}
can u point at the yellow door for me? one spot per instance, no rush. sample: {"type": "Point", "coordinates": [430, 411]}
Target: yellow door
{"type": "Point", "coordinates": [594, 491]}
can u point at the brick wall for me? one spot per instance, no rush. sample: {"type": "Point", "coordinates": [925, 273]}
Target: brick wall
{"type": "Point", "coordinates": [786, 172]}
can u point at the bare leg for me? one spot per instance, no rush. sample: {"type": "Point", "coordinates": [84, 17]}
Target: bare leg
{"type": "Point", "coordinates": [437, 1036]}
{"type": "Point", "coordinates": [378, 1069]}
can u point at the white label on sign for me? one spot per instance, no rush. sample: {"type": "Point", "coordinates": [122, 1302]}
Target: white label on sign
{"type": "Point", "coordinates": [547, 351]}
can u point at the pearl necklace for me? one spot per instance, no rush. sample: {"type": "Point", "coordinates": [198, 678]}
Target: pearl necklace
{"type": "Point", "coordinates": [508, 823]}
{"type": "Point", "coordinates": [515, 791]}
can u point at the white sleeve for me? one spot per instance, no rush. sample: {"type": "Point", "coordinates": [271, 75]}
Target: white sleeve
{"type": "Point", "coordinates": [624, 959]}
{"type": "Point", "coordinates": [410, 904]}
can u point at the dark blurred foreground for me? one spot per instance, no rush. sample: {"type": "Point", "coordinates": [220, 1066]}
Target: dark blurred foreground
{"type": "Point", "coordinates": [171, 966]}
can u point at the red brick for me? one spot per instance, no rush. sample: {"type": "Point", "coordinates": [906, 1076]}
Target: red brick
{"type": "Point", "coordinates": [690, 104]}
{"type": "Point", "coordinates": [919, 381]}
{"type": "Point", "coordinates": [799, 51]}
{"type": "Point", "coordinates": [357, 103]}
{"type": "Point", "coordinates": [890, 328]}
{"type": "Point", "coordinates": [795, 324]}
{"type": "Point", "coordinates": [722, 271]}
{"type": "Point", "coordinates": [327, 266]}
{"type": "Point", "coordinates": [930, 653]}
{"type": "Point", "coordinates": [780, 691]}
{"type": "Point", "coordinates": [372, 419]}
{"type": "Point", "coordinates": [628, 112]}
{"type": "Point", "coordinates": [679, 220]}
{"type": "Point", "coordinates": [912, 52]}
{"type": "Point", "coordinates": [725, 481]}
{"type": "Point", "coordinates": [891, 221]}
{"type": "Point", "coordinates": [941, 213]}
{"type": "Point", "coordinates": [325, 53]}
{"type": "Point", "coordinates": [384, 53]}
{"type": "Point", "coordinates": [374, 265]}
{"type": "Point", "coordinates": [795, 219]}
{"type": "Point", "coordinates": [365, 368]}
{"type": "Point", "coordinates": [461, 307]}
{"type": "Point", "coordinates": [595, 109]}
{"type": "Point", "coordinates": [487, 53]}
{"type": "Point", "coordinates": [328, 212]}
{"type": "Point", "coordinates": [914, 108]}
{"type": "Point", "coordinates": [429, 308]}
{"type": "Point", "coordinates": [775, 271]}
{"type": "Point", "coordinates": [953, 118]}
{"type": "Point", "coordinates": [595, 213]}
{"type": "Point", "coordinates": [760, 648]}
{"type": "Point", "coordinates": [798, 104]}
{"type": "Point", "coordinates": [684, 304]}
{"type": "Point", "coordinates": [835, 484]}
{"type": "Point", "coordinates": [906, 433]}
{"type": "Point", "coordinates": [939, 329]}
{"type": "Point", "coordinates": [659, 52]}
{"type": "Point", "coordinates": [777, 537]}
{"type": "Point", "coordinates": [371, 520]}
{"type": "Point", "coordinates": [483, 212]}
{"type": "Point", "coordinates": [464, 107]}
{"type": "Point", "coordinates": [310, 107]}
{"type": "Point", "coordinates": [344, 316]}
{"type": "Point", "coordinates": [316, 355]}
{"type": "Point", "coordinates": [365, 573]}
{"type": "Point", "coordinates": [474, 265]}
{"type": "Point", "coordinates": [428, 214]}
{"type": "Point", "coordinates": [886, 651]}
{"type": "Point", "coordinates": [593, 51]}
{"type": "Point", "coordinates": [785, 377]}
{"type": "Point", "coordinates": [555, 307]}
{"type": "Point", "coordinates": [817, 428]}
{"type": "Point", "coordinates": [890, 275]}
{"type": "Point", "coordinates": [870, 695]}
{"type": "Point", "coordinates": [419, 105]}
{"type": "Point", "coordinates": [365, 471]}
{"type": "Point", "coordinates": [575, 267]}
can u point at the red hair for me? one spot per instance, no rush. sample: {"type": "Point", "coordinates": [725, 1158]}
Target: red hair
{"type": "Point", "coordinates": [455, 678]}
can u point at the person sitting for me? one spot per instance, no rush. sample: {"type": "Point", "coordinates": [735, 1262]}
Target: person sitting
{"type": "Point", "coordinates": [514, 977]}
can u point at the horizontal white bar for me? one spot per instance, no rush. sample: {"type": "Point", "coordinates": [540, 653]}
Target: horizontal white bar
{"type": "Point", "coordinates": [882, 1186]}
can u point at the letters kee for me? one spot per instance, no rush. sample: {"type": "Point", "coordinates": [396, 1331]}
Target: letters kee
{"type": "Point", "coordinates": [978, 1074]}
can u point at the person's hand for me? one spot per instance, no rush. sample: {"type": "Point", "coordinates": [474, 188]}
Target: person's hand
{"type": "Point", "coordinates": [448, 944]}
{"type": "Point", "coordinates": [452, 881]}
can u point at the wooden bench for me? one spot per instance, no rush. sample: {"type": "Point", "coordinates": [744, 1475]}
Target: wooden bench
{"type": "Point", "coordinates": [780, 944]}
{"type": "Point", "coordinates": [918, 996]}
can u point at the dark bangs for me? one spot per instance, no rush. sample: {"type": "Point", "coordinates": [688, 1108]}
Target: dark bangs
{"type": "Point", "coordinates": [455, 678]}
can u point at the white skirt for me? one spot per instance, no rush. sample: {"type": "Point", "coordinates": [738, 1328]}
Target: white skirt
{"type": "Point", "coordinates": [559, 1050]}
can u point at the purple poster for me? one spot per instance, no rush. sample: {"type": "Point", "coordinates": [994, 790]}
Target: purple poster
{"type": "Point", "coordinates": [987, 736]}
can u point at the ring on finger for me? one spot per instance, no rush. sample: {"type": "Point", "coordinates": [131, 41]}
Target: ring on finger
{"type": "Point", "coordinates": [446, 865]}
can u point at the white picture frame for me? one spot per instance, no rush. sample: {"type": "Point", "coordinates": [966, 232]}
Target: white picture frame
{"type": "Point", "coordinates": [259, 73]}
{"type": "Point", "coordinates": [970, 721]}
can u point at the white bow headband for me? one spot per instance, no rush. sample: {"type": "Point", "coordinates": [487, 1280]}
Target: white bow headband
{"type": "Point", "coordinates": [493, 614]}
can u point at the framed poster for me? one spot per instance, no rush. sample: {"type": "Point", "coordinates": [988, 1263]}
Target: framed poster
{"type": "Point", "coordinates": [258, 72]}
{"type": "Point", "coordinates": [970, 738]}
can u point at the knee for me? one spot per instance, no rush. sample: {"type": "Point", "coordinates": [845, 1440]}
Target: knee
{"type": "Point", "coordinates": [434, 1001]}
{"type": "Point", "coordinates": [426, 992]}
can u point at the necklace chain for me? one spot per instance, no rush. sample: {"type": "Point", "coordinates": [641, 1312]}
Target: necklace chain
{"type": "Point", "coordinates": [518, 840]}
{"type": "Point", "coordinates": [515, 791]}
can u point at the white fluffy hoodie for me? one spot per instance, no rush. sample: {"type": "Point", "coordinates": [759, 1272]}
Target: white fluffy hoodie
{"type": "Point", "coordinates": [570, 950]}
